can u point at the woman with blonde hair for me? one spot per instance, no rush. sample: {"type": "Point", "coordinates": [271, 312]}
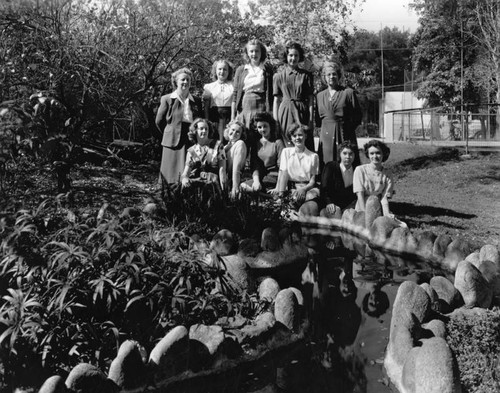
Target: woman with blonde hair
{"type": "Point", "coordinates": [218, 95]}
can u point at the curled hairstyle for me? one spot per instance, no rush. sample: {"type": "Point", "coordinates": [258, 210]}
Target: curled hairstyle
{"type": "Point", "coordinates": [333, 65]}
{"type": "Point", "coordinates": [379, 145]}
{"type": "Point", "coordinates": [176, 74]}
{"type": "Point", "coordinates": [293, 45]}
{"type": "Point", "coordinates": [347, 145]}
{"type": "Point", "coordinates": [263, 50]}
{"type": "Point", "coordinates": [242, 127]}
{"type": "Point", "coordinates": [230, 69]}
{"type": "Point", "coordinates": [293, 129]}
{"type": "Point", "coordinates": [265, 117]}
{"type": "Point", "coordinates": [193, 135]}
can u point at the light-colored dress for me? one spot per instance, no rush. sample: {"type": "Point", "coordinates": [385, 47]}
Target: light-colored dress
{"type": "Point", "coordinates": [371, 181]}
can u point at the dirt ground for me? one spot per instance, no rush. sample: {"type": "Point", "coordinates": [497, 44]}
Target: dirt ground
{"type": "Point", "coordinates": [436, 190]}
{"type": "Point", "coordinates": [440, 191]}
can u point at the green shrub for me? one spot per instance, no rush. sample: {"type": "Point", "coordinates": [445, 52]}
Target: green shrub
{"type": "Point", "coordinates": [73, 287]}
{"type": "Point", "coordinates": [475, 341]}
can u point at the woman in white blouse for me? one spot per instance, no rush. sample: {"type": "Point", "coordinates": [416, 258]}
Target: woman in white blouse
{"type": "Point", "coordinates": [253, 86]}
{"type": "Point", "coordinates": [218, 95]}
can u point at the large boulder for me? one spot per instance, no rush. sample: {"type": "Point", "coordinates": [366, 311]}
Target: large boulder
{"type": "Point", "coordinates": [489, 253]}
{"type": "Point", "coordinates": [259, 330]}
{"type": "Point", "coordinates": [472, 285]}
{"type": "Point", "coordinates": [449, 297]}
{"type": "Point", "coordinates": [210, 336]}
{"type": "Point", "coordinates": [87, 378]}
{"type": "Point", "coordinates": [433, 296]}
{"type": "Point", "coordinates": [456, 251]}
{"type": "Point", "coordinates": [382, 228]}
{"type": "Point", "coordinates": [401, 240]}
{"type": "Point", "coordinates": [359, 219]}
{"type": "Point", "coordinates": [436, 327]}
{"type": "Point", "coordinates": [289, 256]}
{"type": "Point", "coordinates": [286, 309]}
{"type": "Point", "coordinates": [490, 271]}
{"type": "Point", "coordinates": [239, 272]}
{"type": "Point", "coordinates": [223, 243]}
{"type": "Point", "coordinates": [434, 368]}
{"type": "Point", "coordinates": [440, 245]}
{"type": "Point", "coordinates": [128, 370]}
{"type": "Point", "coordinates": [408, 373]}
{"type": "Point", "coordinates": [373, 210]}
{"type": "Point", "coordinates": [170, 356]}
{"type": "Point", "coordinates": [425, 243]}
{"type": "Point", "coordinates": [268, 289]}
{"type": "Point", "coordinates": [270, 240]}
{"type": "Point", "coordinates": [411, 308]}
{"type": "Point", "coordinates": [54, 384]}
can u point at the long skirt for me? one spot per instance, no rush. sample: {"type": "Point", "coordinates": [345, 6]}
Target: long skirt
{"type": "Point", "coordinates": [173, 159]}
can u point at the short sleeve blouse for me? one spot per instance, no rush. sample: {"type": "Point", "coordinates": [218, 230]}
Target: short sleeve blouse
{"type": "Point", "coordinates": [299, 166]}
{"type": "Point", "coordinates": [371, 181]}
{"type": "Point", "coordinates": [220, 94]}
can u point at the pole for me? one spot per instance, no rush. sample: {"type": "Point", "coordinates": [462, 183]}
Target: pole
{"type": "Point", "coordinates": [464, 134]}
{"type": "Point", "coordinates": [382, 84]}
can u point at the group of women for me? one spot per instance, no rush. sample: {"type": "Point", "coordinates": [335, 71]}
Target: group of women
{"type": "Point", "coordinates": [264, 122]}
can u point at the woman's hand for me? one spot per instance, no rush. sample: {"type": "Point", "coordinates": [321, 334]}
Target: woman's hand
{"type": "Point", "coordinates": [235, 193]}
{"type": "Point", "coordinates": [256, 186]}
{"type": "Point", "coordinates": [299, 194]}
{"type": "Point", "coordinates": [185, 182]}
{"type": "Point", "coordinates": [275, 192]}
{"type": "Point", "coordinates": [330, 208]}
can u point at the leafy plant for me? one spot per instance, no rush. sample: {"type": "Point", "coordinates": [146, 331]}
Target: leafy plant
{"type": "Point", "coordinates": [475, 341]}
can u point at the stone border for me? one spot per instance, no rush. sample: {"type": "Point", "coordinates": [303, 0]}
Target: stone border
{"type": "Point", "coordinates": [418, 358]}
{"type": "Point", "coordinates": [200, 351]}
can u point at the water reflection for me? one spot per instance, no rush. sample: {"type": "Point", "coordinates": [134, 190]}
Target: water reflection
{"type": "Point", "coordinates": [348, 292]}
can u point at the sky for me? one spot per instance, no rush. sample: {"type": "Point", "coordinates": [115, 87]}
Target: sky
{"type": "Point", "coordinates": [374, 14]}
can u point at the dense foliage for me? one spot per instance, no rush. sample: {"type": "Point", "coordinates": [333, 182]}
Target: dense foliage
{"type": "Point", "coordinates": [77, 282]}
{"type": "Point", "coordinates": [475, 341]}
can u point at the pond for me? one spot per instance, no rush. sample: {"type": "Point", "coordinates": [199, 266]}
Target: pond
{"type": "Point", "coordinates": [348, 296]}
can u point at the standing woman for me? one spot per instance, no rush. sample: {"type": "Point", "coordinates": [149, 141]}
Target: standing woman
{"type": "Point", "coordinates": [218, 96]}
{"type": "Point", "coordinates": [293, 94]}
{"type": "Point", "coordinates": [339, 114]}
{"type": "Point", "coordinates": [173, 119]}
{"type": "Point", "coordinates": [252, 85]}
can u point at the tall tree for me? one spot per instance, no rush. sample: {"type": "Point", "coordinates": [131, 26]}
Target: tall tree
{"type": "Point", "coordinates": [446, 52]}
{"type": "Point", "coordinates": [317, 24]}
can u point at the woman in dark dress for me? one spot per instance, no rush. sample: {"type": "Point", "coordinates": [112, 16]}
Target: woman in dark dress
{"type": "Point", "coordinates": [338, 113]}
{"type": "Point", "coordinates": [293, 94]}
{"type": "Point", "coordinates": [175, 114]}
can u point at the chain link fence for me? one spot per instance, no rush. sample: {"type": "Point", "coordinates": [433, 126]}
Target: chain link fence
{"type": "Point", "coordinates": [436, 124]}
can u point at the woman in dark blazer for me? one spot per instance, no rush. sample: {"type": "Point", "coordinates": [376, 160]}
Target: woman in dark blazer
{"type": "Point", "coordinates": [338, 113]}
{"type": "Point", "coordinates": [337, 182]}
{"type": "Point", "coordinates": [175, 114]}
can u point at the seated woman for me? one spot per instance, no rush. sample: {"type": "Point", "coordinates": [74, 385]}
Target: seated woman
{"type": "Point", "coordinates": [236, 153]}
{"type": "Point", "coordinates": [336, 182]}
{"type": "Point", "coordinates": [265, 155]}
{"type": "Point", "coordinates": [372, 179]}
{"type": "Point", "coordinates": [298, 168]}
{"type": "Point", "coordinates": [205, 160]}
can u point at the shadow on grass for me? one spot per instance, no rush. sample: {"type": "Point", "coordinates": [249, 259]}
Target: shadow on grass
{"type": "Point", "coordinates": [411, 210]}
{"type": "Point", "coordinates": [442, 155]}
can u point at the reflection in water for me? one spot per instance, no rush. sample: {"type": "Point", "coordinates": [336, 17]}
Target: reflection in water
{"type": "Point", "coordinates": [348, 291]}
